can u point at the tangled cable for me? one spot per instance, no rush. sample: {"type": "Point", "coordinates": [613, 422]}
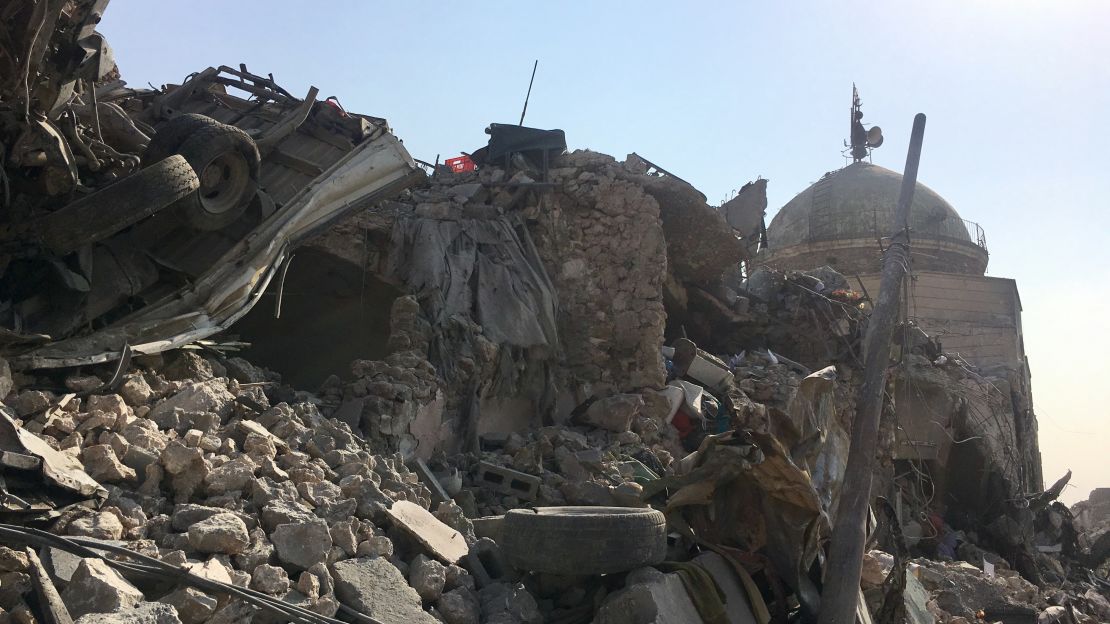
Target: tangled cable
{"type": "Point", "coordinates": [150, 567]}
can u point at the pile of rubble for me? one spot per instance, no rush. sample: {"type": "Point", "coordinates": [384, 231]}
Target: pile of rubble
{"type": "Point", "coordinates": [385, 493]}
{"type": "Point", "coordinates": [199, 470]}
{"type": "Point", "coordinates": [572, 465]}
{"type": "Point", "coordinates": [1092, 523]}
{"type": "Point", "coordinates": [521, 447]}
{"type": "Point", "coordinates": [979, 587]}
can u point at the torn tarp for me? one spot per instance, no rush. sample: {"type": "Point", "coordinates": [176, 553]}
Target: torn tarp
{"type": "Point", "coordinates": [483, 269]}
{"type": "Point", "coordinates": [741, 490]}
{"type": "Point", "coordinates": [818, 442]}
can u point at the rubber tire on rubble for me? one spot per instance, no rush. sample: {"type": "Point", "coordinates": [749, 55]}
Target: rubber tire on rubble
{"type": "Point", "coordinates": [115, 207]}
{"type": "Point", "coordinates": [583, 540]}
{"type": "Point", "coordinates": [169, 135]}
{"type": "Point", "coordinates": [227, 163]}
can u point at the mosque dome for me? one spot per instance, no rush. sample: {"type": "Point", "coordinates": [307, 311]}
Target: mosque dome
{"type": "Point", "coordinates": [840, 218]}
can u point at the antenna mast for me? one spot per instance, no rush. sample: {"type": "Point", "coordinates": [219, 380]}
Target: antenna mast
{"type": "Point", "coordinates": [862, 140]}
{"type": "Point", "coordinates": [526, 97]}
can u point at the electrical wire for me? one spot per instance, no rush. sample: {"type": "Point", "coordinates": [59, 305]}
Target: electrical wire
{"type": "Point", "coordinates": [150, 567]}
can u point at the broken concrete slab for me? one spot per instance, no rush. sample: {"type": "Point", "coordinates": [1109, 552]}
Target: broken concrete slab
{"type": "Point", "coordinates": [193, 606]}
{"type": "Point", "coordinates": [876, 566]}
{"type": "Point", "coordinates": [650, 597]}
{"type": "Point", "coordinates": [509, 602]}
{"type": "Point", "coordinates": [302, 544]}
{"type": "Point", "coordinates": [375, 587]}
{"type": "Point", "coordinates": [259, 552]}
{"type": "Point", "coordinates": [13, 560]}
{"type": "Point", "coordinates": [186, 515]}
{"type": "Point", "coordinates": [97, 588]}
{"type": "Point", "coordinates": [269, 579]}
{"type": "Point", "coordinates": [284, 512]}
{"type": "Point", "coordinates": [222, 533]}
{"type": "Point", "coordinates": [203, 396]}
{"type": "Point", "coordinates": [613, 413]}
{"type": "Point", "coordinates": [234, 475]}
{"type": "Point", "coordinates": [459, 606]}
{"type": "Point", "coordinates": [60, 469]}
{"type": "Point", "coordinates": [916, 599]}
{"type": "Point", "coordinates": [248, 427]}
{"type": "Point", "coordinates": [443, 542]}
{"type": "Point", "coordinates": [102, 464]}
{"type": "Point", "coordinates": [211, 569]}
{"type": "Point", "coordinates": [61, 564]}
{"type": "Point", "coordinates": [427, 577]}
{"type": "Point", "coordinates": [100, 525]}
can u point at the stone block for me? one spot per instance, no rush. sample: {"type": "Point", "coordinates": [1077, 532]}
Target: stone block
{"type": "Point", "coordinates": [222, 533]}
{"type": "Point", "coordinates": [97, 588]}
{"type": "Point", "coordinates": [427, 577]}
{"type": "Point", "coordinates": [193, 606]}
{"type": "Point", "coordinates": [654, 599]}
{"type": "Point", "coordinates": [302, 544]}
{"type": "Point", "coordinates": [375, 587]}
{"type": "Point", "coordinates": [269, 579]}
{"type": "Point", "coordinates": [613, 413]}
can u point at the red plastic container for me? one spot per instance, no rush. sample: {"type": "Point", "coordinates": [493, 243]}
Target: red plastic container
{"type": "Point", "coordinates": [460, 164]}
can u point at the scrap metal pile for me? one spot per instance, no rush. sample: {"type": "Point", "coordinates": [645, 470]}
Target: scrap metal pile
{"type": "Point", "coordinates": [587, 404]}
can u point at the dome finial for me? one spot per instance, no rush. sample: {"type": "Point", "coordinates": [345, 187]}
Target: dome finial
{"type": "Point", "coordinates": [862, 140]}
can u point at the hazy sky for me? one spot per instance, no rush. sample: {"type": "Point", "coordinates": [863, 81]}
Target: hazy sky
{"type": "Point", "coordinates": [1017, 93]}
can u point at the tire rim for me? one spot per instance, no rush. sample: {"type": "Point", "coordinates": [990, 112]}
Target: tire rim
{"type": "Point", "coordinates": [223, 182]}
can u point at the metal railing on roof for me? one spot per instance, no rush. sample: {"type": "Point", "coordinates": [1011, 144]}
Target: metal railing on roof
{"type": "Point", "coordinates": [975, 231]}
{"type": "Point", "coordinates": [944, 227]}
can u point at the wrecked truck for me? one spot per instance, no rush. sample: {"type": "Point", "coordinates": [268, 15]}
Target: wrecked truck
{"type": "Point", "coordinates": [146, 219]}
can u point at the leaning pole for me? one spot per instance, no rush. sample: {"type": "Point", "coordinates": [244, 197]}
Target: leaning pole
{"type": "Point", "coordinates": [840, 596]}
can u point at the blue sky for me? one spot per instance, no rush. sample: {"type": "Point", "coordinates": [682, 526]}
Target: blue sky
{"type": "Point", "coordinates": [1016, 92]}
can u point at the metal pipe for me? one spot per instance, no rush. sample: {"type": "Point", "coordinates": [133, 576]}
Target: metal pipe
{"type": "Point", "coordinates": [95, 111]}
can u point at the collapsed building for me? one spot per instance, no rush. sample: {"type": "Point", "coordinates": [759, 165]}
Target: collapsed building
{"type": "Point", "coordinates": [318, 381]}
{"type": "Point", "coordinates": [972, 436]}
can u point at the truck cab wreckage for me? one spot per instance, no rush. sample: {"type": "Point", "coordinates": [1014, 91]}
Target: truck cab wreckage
{"type": "Point", "coordinates": [260, 365]}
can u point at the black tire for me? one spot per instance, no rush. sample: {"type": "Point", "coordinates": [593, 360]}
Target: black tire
{"type": "Point", "coordinates": [113, 208]}
{"type": "Point", "coordinates": [583, 540]}
{"type": "Point", "coordinates": [227, 164]}
{"type": "Point", "coordinates": [169, 135]}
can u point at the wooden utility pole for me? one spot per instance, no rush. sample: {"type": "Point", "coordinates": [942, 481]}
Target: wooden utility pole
{"type": "Point", "coordinates": [840, 595]}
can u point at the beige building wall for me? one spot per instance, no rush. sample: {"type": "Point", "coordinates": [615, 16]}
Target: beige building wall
{"type": "Point", "coordinates": [977, 317]}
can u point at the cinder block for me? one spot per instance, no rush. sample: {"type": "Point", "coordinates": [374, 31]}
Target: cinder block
{"type": "Point", "coordinates": [508, 481]}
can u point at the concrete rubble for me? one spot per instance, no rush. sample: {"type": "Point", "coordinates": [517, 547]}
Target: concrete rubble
{"type": "Point", "coordinates": [572, 348]}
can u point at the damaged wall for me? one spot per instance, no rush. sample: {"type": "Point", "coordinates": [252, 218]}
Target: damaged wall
{"type": "Point", "coordinates": [977, 317]}
{"type": "Point", "coordinates": [601, 239]}
{"type": "Point", "coordinates": [539, 296]}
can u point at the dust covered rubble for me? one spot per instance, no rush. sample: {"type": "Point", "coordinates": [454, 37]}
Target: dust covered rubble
{"type": "Point", "coordinates": [980, 586]}
{"type": "Point", "coordinates": [212, 465]}
{"type": "Point", "coordinates": [972, 583]}
{"type": "Point", "coordinates": [202, 471]}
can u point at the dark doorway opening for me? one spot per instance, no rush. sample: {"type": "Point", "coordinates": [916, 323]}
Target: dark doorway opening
{"type": "Point", "coordinates": [332, 312]}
